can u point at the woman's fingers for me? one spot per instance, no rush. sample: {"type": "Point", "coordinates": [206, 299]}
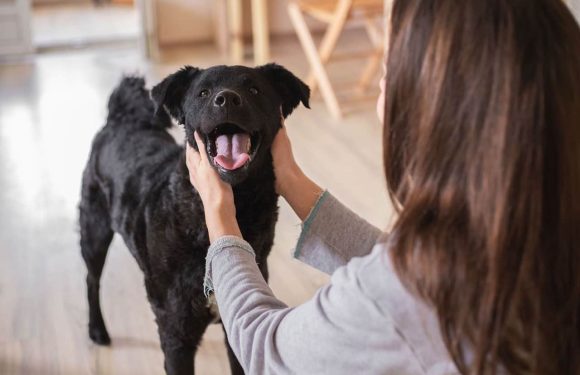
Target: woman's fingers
{"type": "Point", "coordinates": [192, 157]}
{"type": "Point", "coordinates": [281, 118]}
{"type": "Point", "coordinates": [201, 147]}
{"type": "Point", "coordinates": [281, 144]}
{"type": "Point", "coordinates": [278, 136]}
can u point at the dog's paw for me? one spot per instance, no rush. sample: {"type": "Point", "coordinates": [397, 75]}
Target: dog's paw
{"type": "Point", "coordinates": [99, 336]}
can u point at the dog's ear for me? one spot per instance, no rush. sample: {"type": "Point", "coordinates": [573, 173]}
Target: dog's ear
{"type": "Point", "coordinates": [290, 88]}
{"type": "Point", "coordinates": [169, 93]}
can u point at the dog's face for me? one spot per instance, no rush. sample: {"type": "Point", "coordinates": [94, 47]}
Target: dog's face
{"type": "Point", "coordinates": [236, 110]}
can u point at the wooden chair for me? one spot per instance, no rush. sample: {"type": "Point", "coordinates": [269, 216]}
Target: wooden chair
{"type": "Point", "coordinates": [336, 14]}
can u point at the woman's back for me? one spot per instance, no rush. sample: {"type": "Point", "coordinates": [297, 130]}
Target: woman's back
{"type": "Point", "coordinates": [482, 151]}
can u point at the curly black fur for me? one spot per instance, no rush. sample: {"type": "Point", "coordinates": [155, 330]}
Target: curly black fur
{"type": "Point", "coordinates": [136, 184]}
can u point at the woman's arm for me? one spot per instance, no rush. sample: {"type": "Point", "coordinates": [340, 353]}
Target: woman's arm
{"type": "Point", "coordinates": [331, 233]}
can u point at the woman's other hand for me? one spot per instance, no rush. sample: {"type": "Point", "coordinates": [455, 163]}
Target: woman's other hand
{"type": "Point", "coordinates": [285, 167]}
{"type": "Point", "coordinates": [291, 183]}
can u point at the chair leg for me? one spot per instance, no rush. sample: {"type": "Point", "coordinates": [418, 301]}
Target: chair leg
{"type": "Point", "coordinates": [314, 59]}
{"type": "Point", "coordinates": [260, 31]}
{"type": "Point", "coordinates": [236, 33]}
{"type": "Point", "coordinates": [330, 38]}
{"type": "Point", "coordinates": [370, 70]}
{"type": "Point", "coordinates": [374, 62]}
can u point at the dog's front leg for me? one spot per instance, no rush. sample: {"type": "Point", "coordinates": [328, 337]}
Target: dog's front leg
{"type": "Point", "coordinates": [179, 353]}
{"type": "Point", "coordinates": [180, 332]}
{"type": "Point", "coordinates": [178, 360]}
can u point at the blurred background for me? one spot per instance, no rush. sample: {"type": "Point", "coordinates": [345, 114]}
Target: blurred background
{"type": "Point", "coordinates": [59, 61]}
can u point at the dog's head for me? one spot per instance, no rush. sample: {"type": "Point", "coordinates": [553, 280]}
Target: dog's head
{"type": "Point", "coordinates": [237, 110]}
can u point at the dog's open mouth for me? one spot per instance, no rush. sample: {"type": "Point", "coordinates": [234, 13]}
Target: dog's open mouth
{"type": "Point", "coordinates": [230, 147]}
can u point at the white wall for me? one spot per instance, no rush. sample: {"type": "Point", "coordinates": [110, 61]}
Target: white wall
{"type": "Point", "coordinates": [183, 21]}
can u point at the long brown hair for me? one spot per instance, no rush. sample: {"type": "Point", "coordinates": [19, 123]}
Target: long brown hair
{"type": "Point", "coordinates": [482, 159]}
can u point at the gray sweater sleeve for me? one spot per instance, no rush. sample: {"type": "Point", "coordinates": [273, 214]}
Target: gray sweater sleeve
{"type": "Point", "coordinates": [332, 235]}
{"type": "Point", "coordinates": [341, 330]}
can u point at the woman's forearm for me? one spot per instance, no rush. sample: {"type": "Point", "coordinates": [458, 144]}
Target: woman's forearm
{"type": "Point", "coordinates": [221, 221]}
{"type": "Point", "coordinates": [301, 193]}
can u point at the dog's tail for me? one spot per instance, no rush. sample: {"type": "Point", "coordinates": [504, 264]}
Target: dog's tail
{"type": "Point", "coordinates": [130, 104]}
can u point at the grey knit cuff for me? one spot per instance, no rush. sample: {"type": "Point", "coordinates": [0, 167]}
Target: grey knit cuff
{"type": "Point", "coordinates": [222, 243]}
{"type": "Point", "coordinates": [308, 222]}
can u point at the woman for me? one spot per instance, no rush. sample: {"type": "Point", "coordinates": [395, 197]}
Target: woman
{"type": "Point", "coordinates": [481, 272]}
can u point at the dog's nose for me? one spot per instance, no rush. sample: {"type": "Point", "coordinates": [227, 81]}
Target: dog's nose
{"type": "Point", "coordinates": [227, 97]}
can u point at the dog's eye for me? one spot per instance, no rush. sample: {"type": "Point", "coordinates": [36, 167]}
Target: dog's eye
{"type": "Point", "coordinates": [253, 91]}
{"type": "Point", "coordinates": [204, 93]}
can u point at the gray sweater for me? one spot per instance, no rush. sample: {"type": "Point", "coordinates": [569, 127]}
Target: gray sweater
{"type": "Point", "coordinates": [363, 322]}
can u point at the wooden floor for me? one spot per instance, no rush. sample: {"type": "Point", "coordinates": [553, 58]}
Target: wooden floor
{"type": "Point", "coordinates": [50, 108]}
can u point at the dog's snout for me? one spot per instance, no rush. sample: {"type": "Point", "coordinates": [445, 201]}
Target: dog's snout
{"type": "Point", "coordinates": [227, 98]}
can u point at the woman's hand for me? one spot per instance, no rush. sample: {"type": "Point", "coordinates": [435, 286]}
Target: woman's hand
{"type": "Point", "coordinates": [285, 167]}
{"type": "Point", "coordinates": [216, 195]}
{"type": "Point", "coordinates": [213, 191]}
{"type": "Point", "coordinates": [291, 183]}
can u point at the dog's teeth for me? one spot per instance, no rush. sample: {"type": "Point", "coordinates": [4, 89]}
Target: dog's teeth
{"type": "Point", "coordinates": [249, 145]}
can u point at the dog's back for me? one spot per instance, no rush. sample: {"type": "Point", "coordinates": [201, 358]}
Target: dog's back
{"type": "Point", "coordinates": [132, 153]}
{"type": "Point", "coordinates": [130, 106]}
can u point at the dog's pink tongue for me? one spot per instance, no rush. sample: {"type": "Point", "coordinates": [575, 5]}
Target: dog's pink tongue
{"type": "Point", "coordinates": [232, 150]}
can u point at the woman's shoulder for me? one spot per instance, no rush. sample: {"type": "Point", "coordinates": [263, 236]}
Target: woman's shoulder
{"type": "Point", "coordinates": [414, 321]}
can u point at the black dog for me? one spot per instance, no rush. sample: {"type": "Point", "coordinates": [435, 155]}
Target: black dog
{"type": "Point", "coordinates": [136, 183]}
